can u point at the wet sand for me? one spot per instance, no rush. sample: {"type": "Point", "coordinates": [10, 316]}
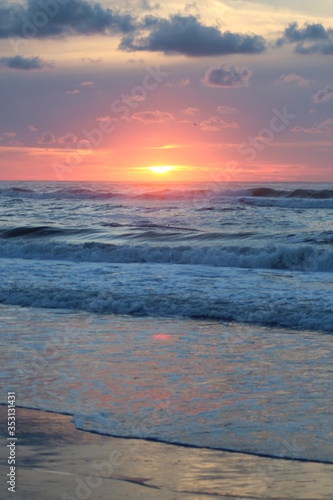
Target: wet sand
{"type": "Point", "coordinates": [57, 461]}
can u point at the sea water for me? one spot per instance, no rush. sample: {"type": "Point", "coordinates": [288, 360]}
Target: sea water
{"type": "Point", "coordinates": [192, 314]}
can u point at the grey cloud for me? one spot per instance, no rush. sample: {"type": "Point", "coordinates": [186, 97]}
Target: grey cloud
{"type": "Point", "coordinates": [227, 110]}
{"type": "Point", "coordinates": [190, 111]}
{"type": "Point", "coordinates": [187, 35]}
{"type": "Point", "coordinates": [317, 128]}
{"type": "Point", "coordinates": [68, 138]}
{"type": "Point", "coordinates": [46, 138]}
{"type": "Point", "coordinates": [308, 39]}
{"type": "Point", "coordinates": [214, 124]}
{"type": "Point", "coordinates": [176, 35]}
{"type": "Point", "coordinates": [153, 117]}
{"type": "Point", "coordinates": [89, 59]}
{"type": "Point", "coordinates": [323, 95]}
{"type": "Point", "coordinates": [51, 18]}
{"type": "Point", "coordinates": [227, 76]}
{"type": "Point", "coordinates": [145, 5]}
{"type": "Point", "coordinates": [293, 79]}
{"type": "Point", "coordinates": [23, 63]}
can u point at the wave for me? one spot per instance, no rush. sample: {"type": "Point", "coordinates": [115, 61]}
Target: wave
{"type": "Point", "coordinates": [216, 192]}
{"type": "Point", "coordinates": [39, 231]}
{"type": "Point", "coordinates": [212, 193]}
{"type": "Point", "coordinates": [321, 194]}
{"type": "Point", "coordinates": [281, 257]}
{"type": "Point", "coordinates": [21, 190]}
{"type": "Point", "coordinates": [150, 225]}
{"type": "Point", "coordinates": [266, 298]}
{"type": "Point", "coordinates": [169, 193]}
{"type": "Point", "coordinates": [288, 202]}
{"type": "Point", "coordinates": [59, 194]}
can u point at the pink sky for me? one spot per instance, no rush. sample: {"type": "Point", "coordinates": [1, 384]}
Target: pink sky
{"type": "Point", "coordinates": [193, 89]}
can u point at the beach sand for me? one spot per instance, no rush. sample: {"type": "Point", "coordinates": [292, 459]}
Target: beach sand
{"type": "Point", "coordinates": [57, 461]}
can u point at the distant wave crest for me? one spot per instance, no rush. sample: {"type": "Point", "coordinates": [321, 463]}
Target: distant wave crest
{"type": "Point", "coordinates": [213, 193]}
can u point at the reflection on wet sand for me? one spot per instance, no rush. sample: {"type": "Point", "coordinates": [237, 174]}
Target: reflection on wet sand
{"type": "Point", "coordinates": [56, 461]}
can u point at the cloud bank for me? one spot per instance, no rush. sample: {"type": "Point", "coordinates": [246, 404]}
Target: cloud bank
{"type": "Point", "coordinates": [186, 35]}
{"type": "Point", "coordinates": [179, 34]}
{"type": "Point", "coordinates": [308, 39]}
{"type": "Point", "coordinates": [46, 18]}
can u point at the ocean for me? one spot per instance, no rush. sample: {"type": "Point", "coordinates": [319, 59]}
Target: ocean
{"type": "Point", "coordinates": [196, 314]}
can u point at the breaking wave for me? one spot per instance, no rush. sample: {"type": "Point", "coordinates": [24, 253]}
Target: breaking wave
{"type": "Point", "coordinates": [283, 257]}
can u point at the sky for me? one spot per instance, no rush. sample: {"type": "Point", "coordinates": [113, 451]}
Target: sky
{"type": "Point", "coordinates": [213, 91]}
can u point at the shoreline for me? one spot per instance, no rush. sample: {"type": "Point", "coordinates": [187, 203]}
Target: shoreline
{"type": "Point", "coordinates": [178, 444]}
{"type": "Point", "coordinates": [57, 461]}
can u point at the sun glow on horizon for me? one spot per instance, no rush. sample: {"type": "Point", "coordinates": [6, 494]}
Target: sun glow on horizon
{"type": "Point", "coordinates": [162, 169]}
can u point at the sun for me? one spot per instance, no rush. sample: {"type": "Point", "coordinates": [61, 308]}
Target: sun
{"type": "Point", "coordinates": [163, 169]}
